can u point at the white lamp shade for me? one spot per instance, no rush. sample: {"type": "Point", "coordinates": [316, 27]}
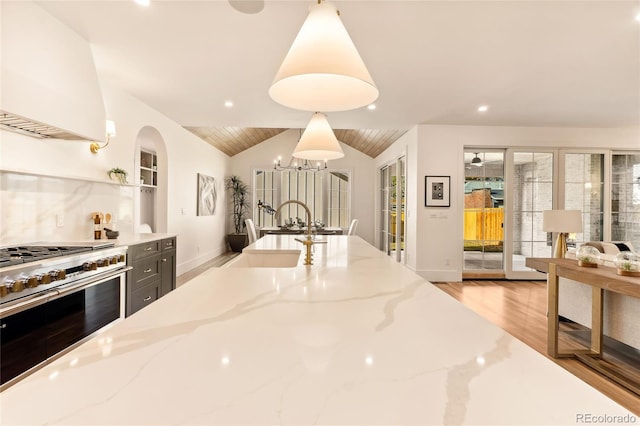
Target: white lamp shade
{"type": "Point", "coordinates": [323, 70]}
{"type": "Point", "coordinates": [566, 221]}
{"type": "Point", "coordinates": [111, 128]}
{"type": "Point", "coordinates": [318, 142]}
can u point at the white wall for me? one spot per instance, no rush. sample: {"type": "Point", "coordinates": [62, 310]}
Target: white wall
{"type": "Point", "coordinates": [362, 167]}
{"type": "Point", "coordinates": [199, 238]}
{"type": "Point", "coordinates": [438, 231]}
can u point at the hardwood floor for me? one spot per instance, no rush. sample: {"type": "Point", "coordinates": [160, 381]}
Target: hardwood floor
{"type": "Point", "coordinates": [520, 307]}
{"type": "Point", "coordinates": [213, 263]}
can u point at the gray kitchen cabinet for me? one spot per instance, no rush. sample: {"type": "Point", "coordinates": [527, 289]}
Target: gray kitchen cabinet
{"type": "Point", "coordinates": [153, 274]}
{"type": "Point", "coordinates": [168, 266]}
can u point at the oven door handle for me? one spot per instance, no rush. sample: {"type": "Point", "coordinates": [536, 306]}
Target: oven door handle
{"type": "Point", "coordinates": [86, 283]}
{"type": "Point", "coordinates": [27, 304]}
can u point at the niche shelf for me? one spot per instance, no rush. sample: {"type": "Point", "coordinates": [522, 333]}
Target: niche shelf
{"type": "Point", "coordinates": [148, 169]}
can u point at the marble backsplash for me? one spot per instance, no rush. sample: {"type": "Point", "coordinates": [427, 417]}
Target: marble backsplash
{"type": "Point", "coordinates": [57, 209]}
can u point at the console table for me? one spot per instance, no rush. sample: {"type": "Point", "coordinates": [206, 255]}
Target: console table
{"type": "Point", "coordinates": [600, 279]}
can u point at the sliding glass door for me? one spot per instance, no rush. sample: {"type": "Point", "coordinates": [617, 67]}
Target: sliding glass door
{"type": "Point", "coordinates": [484, 214]}
{"type": "Point", "coordinates": [531, 192]}
{"type": "Point", "coordinates": [546, 180]}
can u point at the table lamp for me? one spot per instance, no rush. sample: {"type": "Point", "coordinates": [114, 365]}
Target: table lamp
{"type": "Point", "coordinates": [562, 222]}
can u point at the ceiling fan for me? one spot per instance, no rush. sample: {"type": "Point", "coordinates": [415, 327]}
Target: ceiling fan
{"type": "Point", "coordinates": [476, 161]}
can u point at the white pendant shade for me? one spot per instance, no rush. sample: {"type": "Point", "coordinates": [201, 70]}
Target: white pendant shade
{"type": "Point", "coordinates": [323, 70]}
{"type": "Point", "coordinates": [318, 142]}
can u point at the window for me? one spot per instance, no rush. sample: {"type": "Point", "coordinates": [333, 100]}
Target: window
{"type": "Point", "coordinates": [583, 190]}
{"type": "Point", "coordinates": [304, 186]}
{"type": "Point", "coordinates": [625, 198]}
{"type": "Point", "coordinates": [338, 200]}
{"type": "Point", "coordinates": [265, 191]}
{"type": "Point", "coordinates": [326, 193]}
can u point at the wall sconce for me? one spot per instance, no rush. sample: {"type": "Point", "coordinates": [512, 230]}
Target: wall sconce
{"type": "Point", "coordinates": [111, 131]}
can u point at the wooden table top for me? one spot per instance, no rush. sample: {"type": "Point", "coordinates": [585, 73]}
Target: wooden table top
{"type": "Point", "coordinates": [603, 277]}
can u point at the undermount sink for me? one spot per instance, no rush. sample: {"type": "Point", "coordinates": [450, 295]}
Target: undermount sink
{"type": "Point", "coordinates": [265, 260]}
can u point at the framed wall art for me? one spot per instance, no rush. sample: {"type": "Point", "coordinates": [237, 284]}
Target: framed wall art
{"type": "Point", "coordinates": [206, 195]}
{"type": "Point", "coordinates": [436, 191]}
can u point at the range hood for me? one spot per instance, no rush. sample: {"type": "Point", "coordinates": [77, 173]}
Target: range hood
{"type": "Point", "coordinates": [49, 85]}
{"type": "Point", "coordinates": [25, 126]}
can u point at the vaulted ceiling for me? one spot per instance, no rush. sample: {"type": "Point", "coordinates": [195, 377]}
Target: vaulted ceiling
{"type": "Point", "coordinates": [232, 140]}
{"type": "Point", "coordinates": [535, 63]}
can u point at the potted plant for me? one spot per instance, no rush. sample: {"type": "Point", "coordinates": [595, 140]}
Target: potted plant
{"type": "Point", "coordinates": [587, 256]}
{"type": "Point", "coordinates": [627, 263]}
{"type": "Point", "coordinates": [238, 192]}
{"type": "Point", "coordinates": [121, 174]}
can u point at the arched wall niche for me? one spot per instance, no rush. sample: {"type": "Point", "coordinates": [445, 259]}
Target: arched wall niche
{"type": "Point", "coordinates": [152, 202]}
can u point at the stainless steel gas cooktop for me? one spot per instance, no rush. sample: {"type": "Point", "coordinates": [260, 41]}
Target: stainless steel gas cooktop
{"type": "Point", "coordinates": [15, 255]}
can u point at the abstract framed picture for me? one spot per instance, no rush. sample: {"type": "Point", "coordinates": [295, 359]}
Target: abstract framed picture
{"type": "Point", "coordinates": [436, 191]}
{"type": "Point", "coordinates": [206, 195]}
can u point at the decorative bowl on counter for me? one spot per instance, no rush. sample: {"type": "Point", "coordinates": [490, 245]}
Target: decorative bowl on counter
{"type": "Point", "coordinates": [627, 263]}
{"type": "Point", "coordinates": [588, 256]}
{"type": "Point", "coordinates": [111, 234]}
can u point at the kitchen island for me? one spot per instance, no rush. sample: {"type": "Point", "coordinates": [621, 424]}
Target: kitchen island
{"type": "Point", "coordinates": [354, 339]}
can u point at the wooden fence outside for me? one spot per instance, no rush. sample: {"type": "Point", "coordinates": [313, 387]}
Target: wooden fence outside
{"type": "Point", "coordinates": [484, 224]}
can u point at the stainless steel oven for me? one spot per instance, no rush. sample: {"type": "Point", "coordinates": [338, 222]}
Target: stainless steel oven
{"type": "Point", "coordinates": [59, 303]}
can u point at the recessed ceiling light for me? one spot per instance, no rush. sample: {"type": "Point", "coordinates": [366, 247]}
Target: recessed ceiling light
{"type": "Point", "coordinates": [483, 108]}
{"type": "Point", "coordinates": [638, 17]}
{"type": "Point", "coordinates": [228, 104]}
{"type": "Point", "coordinates": [371, 107]}
{"type": "Point", "coordinates": [143, 2]}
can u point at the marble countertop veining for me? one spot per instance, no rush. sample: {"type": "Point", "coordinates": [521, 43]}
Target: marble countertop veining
{"type": "Point", "coordinates": [355, 339]}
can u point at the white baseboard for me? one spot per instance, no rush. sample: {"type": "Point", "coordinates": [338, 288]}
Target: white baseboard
{"type": "Point", "coordinates": [192, 263]}
{"type": "Point", "coordinates": [437, 275]}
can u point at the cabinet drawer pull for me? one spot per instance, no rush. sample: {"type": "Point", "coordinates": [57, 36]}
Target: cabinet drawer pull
{"type": "Point", "coordinates": [164, 260]}
{"type": "Point", "coordinates": [148, 248]}
{"type": "Point", "coordinates": [146, 271]}
{"type": "Point", "coordinates": [146, 299]}
{"type": "Point", "coordinates": [3, 326]}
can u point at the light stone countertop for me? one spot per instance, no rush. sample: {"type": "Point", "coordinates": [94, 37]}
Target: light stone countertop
{"type": "Point", "coordinates": [355, 339]}
{"type": "Point", "coordinates": [132, 239]}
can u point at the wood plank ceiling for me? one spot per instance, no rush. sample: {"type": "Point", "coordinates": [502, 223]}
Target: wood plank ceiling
{"type": "Point", "coordinates": [232, 140]}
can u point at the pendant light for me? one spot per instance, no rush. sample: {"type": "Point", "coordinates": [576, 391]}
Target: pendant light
{"type": "Point", "coordinates": [323, 70]}
{"type": "Point", "coordinates": [318, 142]}
{"type": "Point", "coordinates": [476, 161]}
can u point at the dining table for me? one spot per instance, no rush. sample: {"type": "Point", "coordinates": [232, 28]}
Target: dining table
{"type": "Point", "coordinates": [295, 230]}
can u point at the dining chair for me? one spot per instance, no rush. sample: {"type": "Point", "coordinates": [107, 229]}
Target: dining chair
{"type": "Point", "coordinates": [251, 230]}
{"type": "Point", "coordinates": [145, 228]}
{"type": "Point", "coordinates": [352, 227]}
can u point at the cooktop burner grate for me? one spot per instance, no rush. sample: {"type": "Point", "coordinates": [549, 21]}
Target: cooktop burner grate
{"type": "Point", "coordinates": [24, 254]}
